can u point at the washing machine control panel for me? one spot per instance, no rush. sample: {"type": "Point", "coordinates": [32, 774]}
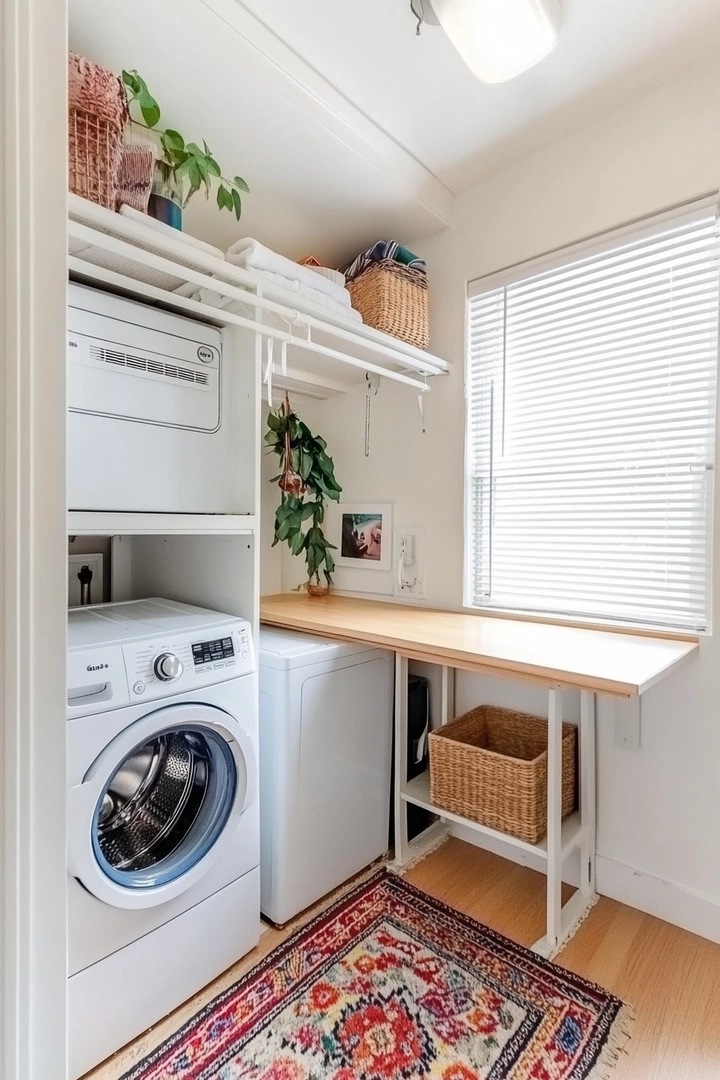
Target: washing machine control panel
{"type": "Point", "coordinates": [186, 661]}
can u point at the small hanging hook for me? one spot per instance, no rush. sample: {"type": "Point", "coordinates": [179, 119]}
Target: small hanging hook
{"type": "Point", "coordinates": [269, 371]}
{"type": "Point", "coordinates": [421, 404]}
{"type": "Point", "coordinates": [372, 385]}
{"type": "Point", "coordinates": [417, 10]}
{"type": "Point", "coordinates": [293, 320]}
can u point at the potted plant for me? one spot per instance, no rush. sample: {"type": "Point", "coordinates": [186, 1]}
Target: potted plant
{"type": "Point", "coordinates": [181, 168]}
{"type": "Point", "coordinates": [306, 480]}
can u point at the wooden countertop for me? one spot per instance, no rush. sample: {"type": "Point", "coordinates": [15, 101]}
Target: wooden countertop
{"type": "Point", "coordinates": [606, 661]}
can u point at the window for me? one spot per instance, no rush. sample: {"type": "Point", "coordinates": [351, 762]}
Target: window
{"type": "Point", "coordinates": [590, 388]}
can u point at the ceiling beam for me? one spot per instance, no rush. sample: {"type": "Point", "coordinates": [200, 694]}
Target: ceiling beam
{"type": "Point", "coordinates": [329, 108]}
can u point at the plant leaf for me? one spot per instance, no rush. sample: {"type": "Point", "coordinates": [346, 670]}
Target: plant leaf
{"type": "Point", "coordinates": [212, 166]}
{"type": "Point", "coordinates": [237, 205]}
{"type": "Point", "coordinates": [184, 168]}
{"type": "Point", "coordinates": [224, 198]}
{"type": "Point", "coordinates": [298, 542]}
{"type": "Point", "coordinates": [173, 139]}
{"type": "Point", "coordinates": [133, 80]}
{"type": "Point", "coordinates": [148, 107]}
{"type": "Point", "coordinates": [239, 182]}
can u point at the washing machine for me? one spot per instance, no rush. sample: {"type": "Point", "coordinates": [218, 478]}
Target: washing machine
{"type": "Point", "coordinates": [163, 820]}
{"type": "Point", "coordinates": [326, 711]}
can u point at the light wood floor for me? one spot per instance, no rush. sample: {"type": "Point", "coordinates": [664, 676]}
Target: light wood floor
{"type": "Point", "coordinates": [670, 977]}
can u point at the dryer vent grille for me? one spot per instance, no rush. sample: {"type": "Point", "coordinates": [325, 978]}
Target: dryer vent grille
{"type": "Point", "coordinates": [151, 367]}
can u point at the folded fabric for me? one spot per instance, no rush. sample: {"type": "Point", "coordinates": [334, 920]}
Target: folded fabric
{"type": "Point", "coordinates": [383, 249]}
{"type": "Point", "coordinates": [314, 294]}
{"type": "Point", "coordinates": [251, 255]}
{"type": "Point", "coordinates": [213, 299]}
{"type": "Point", "coordinates": [167, 230]}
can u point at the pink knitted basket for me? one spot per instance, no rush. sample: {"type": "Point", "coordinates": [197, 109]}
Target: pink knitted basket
{"type": "Point", "coordinates": [98, 113]}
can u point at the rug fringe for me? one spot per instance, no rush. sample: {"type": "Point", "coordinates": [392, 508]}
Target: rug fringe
{"type": "Point", "coordinates": [616, 1045]}
{"type": "Point", "coordinates": [576, 927]}
{"type": "Point", "coordinates": [433, 845]}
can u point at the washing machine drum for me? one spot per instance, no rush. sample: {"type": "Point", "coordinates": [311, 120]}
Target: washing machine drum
{"type": "Point", "coordinates": [157, 806]}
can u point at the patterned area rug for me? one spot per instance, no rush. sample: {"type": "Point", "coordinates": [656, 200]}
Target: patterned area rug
{"type": "Point", "coordinates": [388, 984]}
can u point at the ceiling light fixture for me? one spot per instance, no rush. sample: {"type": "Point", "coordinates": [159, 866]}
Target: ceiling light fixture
{"type": "Point", "coordinates": [497, 39]}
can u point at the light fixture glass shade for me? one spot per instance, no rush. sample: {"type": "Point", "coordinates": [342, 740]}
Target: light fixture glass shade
{"type": "Point", "coordinates": [499, 39]}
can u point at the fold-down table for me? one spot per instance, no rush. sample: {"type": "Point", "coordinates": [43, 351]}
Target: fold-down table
{"type": "Point", "coordinates": [557, 657]}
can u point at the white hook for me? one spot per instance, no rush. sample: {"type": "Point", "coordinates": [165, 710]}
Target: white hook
{"type": "Point", "coordinates": [293, 320]}
{"type": "Point", "coordinates": [421, 404]}
{"type": "Point", "coordinates": [269, 372]}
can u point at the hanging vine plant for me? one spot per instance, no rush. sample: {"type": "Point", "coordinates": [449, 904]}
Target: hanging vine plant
{"type": "Point", "coordinates": [306, 480]}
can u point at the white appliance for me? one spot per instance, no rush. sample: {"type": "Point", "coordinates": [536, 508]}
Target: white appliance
{"type": "Point", "coordinates": [163, 829]}
{"type": "Point", "coordinates": [147, 429]}
{"type": "Point", "coordinates": [326, 712]}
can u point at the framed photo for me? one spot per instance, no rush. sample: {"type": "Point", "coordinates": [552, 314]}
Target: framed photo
{"type": "Point", "coordinates": [364, 536]}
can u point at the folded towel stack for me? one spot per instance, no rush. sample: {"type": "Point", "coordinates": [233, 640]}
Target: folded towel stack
{"type": "Point", "coordinates": [251, 255]}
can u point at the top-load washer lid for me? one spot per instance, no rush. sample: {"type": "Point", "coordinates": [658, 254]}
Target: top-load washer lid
{"type": "Point", "coordinates": [286, 649]}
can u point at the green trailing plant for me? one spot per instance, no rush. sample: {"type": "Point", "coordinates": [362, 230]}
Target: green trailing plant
{"type": "Point", "coordinates": [307, 479]}
{"type": "Point", "coordinates": [184, 163]}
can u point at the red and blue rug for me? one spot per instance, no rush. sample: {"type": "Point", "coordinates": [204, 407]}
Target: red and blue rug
{"type": "Point", "coordinates": [388, 984]}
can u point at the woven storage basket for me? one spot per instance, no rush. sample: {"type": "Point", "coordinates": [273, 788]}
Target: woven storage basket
{"type": "Point", "coordinates": [394, 298]}
{"type": "Point", "coordinates": [97, 117]}
{"type": "Point", "coordinates": [490, 765]}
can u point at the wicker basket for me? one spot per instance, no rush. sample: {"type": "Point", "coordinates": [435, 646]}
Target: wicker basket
{"type": "Point", "coordinates": [97, 117]}
{"type": "Point", "coordinates": [490, 765]}
{"type": "Point", "coordinates": [394, 298]}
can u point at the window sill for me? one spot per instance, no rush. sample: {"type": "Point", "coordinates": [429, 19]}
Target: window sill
{"type": "Point", "coordinates": [553, 619]}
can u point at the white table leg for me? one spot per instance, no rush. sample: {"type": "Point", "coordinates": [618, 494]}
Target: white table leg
{"type": "Point", "coordinates": [587, 791]}
{"type": "Point", "coordinates": [562, 921]}
{"type": "Point", "coordinates": [554, 818]}
{"type": "Point", "coordinates": [401, 745]}
{"type": "Point", "coordinates": [447, 694]}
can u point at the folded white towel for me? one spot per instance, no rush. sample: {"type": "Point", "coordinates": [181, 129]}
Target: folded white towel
{"type": "Point", "coordinates": [311, 293]}
{"type": "Point", "coordinates": [252, 255]}
{"type": "Point", "coordinates": [213, 299]}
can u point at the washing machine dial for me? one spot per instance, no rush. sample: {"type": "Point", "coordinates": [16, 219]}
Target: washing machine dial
{"type": "Point", "coordinates": [168, 667]}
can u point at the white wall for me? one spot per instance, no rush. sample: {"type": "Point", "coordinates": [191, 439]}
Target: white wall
{"type": "Point", "coordinates": [659, 807]}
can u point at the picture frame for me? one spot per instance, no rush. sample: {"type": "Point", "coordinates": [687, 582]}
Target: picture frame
{"type": "Point", "coordinates": [362, 533]}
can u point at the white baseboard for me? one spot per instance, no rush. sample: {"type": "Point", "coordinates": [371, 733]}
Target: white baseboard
{"type": "Point", "coordinates": [688, 908]}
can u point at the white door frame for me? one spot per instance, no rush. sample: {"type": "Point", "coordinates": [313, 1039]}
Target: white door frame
{"type": "Point", "coordinates": [33, 547]}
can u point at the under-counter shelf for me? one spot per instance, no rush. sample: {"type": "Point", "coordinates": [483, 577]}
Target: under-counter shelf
{"type": "Point", "coordinates": [318, 352]}
{"type": "Point", "coordinates": [99, 523]}
{"type": "Point", "coordinates": [417, 792]}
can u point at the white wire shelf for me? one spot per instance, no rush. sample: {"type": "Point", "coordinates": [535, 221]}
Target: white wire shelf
{"type": "Point", "coordinates": [318, 351]}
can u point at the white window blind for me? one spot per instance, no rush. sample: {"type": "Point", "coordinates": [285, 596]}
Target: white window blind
{"type": "Point", "coordinates": [591, 426]}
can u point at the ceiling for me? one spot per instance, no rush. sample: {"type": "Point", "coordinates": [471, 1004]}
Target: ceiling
{"type": "Point", "coordinates": [420, 92]}
{"type": "Point", "coordinates": [347, 126]}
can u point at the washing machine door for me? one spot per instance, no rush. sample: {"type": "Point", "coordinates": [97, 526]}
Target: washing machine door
{"type": "Point", "coordinates": [159, 805]}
